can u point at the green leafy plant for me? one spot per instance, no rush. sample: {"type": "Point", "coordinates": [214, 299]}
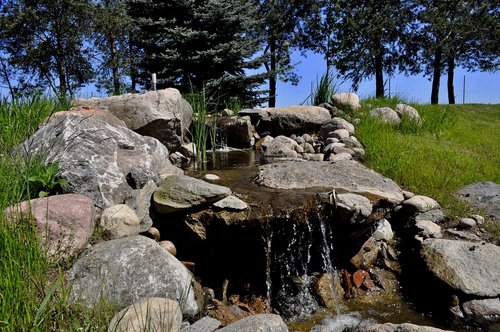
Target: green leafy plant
{"type": "Point", "coordinates": [325, 87]}
{"type": "Point", "coordinates": [45, 181]}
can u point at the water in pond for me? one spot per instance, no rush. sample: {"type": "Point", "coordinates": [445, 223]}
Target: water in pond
{"type": "Point", "coordinates": [300, 247]}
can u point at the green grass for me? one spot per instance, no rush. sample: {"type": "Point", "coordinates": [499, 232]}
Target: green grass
{"type": "Point", "coordinates": [33, 291]}
{"type": "Point", "coordinates": [454, 145]}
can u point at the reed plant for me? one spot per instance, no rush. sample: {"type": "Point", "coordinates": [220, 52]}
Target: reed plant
{"type": "Point", "coordinates": [325, 87]}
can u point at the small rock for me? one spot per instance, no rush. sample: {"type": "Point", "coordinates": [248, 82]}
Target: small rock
{"type": "Point", "coordinates": [484, 308]}
{"type": "Point", "coordinates": [383, 231]}
{"type": "Point", "coordinates": [300, 140]}
{"type": "Point", "coordinates": [466, 223]}
{"type": "Point", "coordinates": [406, 327]}
{"type": "Point", "coordinates": [405, 110]}
{"type": "Point", "coordinates": [436, 216]}
{"type": "Point", "coordinates": [340, 157]}
{"type": "Point", "coordinates": [339, 134]}
{"type": "Point", "coordinates": [313, 156]}
{"type": "Point", "coordinates": [169, 246]}
{"type": "Point", "coordinates": [408, 194]}
{"type": "Point", "coordinates": [334, 124]}
{"type": "Point", "coordinates": [464, 235]}
{"type": "Point", "coordinates": [299, 149]}
{"type": "Point", "coordinates": [341, 149]}
{"type": "Point", "coordinates": [386, 114]}
{"type": "Point", "coordinates": [308, 139]}
{"type": "Point", "coordinates": [259, 322]}
{"type": "Point", "coordinates": [346, 100]}
{"type": "Point", "coordinates": [154, 233]}
{"type": "Point", "coordinates": [326, 286]}
{"type": "Point", "coordinates": [262, 141]}
{"type": "Point", "coordinates": [212, 177]}
{"type": "Point", "coordinates": [330, 140]}
{"type": "Point", "coordinates": [428, 228]}
{"type": "Point", "coordinates": [359, 277]}
{"type": "Point", "coordinates": [177, 158]}
{"type": "Point", "coordinates": [353, 208]}
{"type": "Point", "coordinates": [231, 202]}
{"type": "Point", "coordinates": [206, 324]}
{"type": "Point", "coordinates": [479, 219]}
{"type": "Point", "coordinates": [227, 112]}
{"type": "Point", "coordinates": [420, 203]}
{"type": "Point", "coordinates": [188, 150]}
{"type": "Point", "coordinates": [359, 153]}
{"type": "Point", "coordinates": [308, 148]}
{"type": "Point", "coordinates": [139, 200]}
{"type": "Point", "coordinates": [149, 314]}
{"type": "Point", "coordinates": [367, 255]}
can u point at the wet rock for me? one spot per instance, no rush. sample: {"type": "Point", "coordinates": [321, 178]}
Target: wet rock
{"type": "Point", "coordinates": [139, 201]}
{"type": "Point", "coordinates": [126, 270]}
{"type": "Point", "coordinates": [385, 114]}
{"type": "Point", "coordinates": [161, 114]}
{"type": "Point", "coordinates": [407, 111]}
{"type": "Point", "coordinates": [468, 267]}
{"type": "Point", "coordinates": [346, 101]}
{"type": "Point", "coordinates": [484, 195]}
{"type": "Point", "coordinates": [149, 314]}
{"type": "Point", "coordinates": [419, 203]}
{"type": "Point", "coordinates": [178, 158]}
{"type": "Point", "coordinates": [343, 322]}
{"type": "Point", "coordinates": [181, 192]}
{"type": "Point", "coordinates": [119, 221]}
{"type": "Point", "coordinates": [328, 290]}
{"type": "Point", "coordinates": [95, 157]}
{"type": "Point", "coordinates": [334, 124]}
{"type": "Point", "coordinates": [206, 324]}
{"type": "Point", "coordinates": [227, 314]}
{"type": "Point", "coordinates": [211, 177]}
{"type": "Point", "coordinates": [263, 141]}
{"type": "Point", "coordinates": [64, 222]}
{"type": "Point", "coordinates": [358, 278]}
{"type": "Point", "coordinates": [383, 231]}
{"type": "Point", "coordinates": [347, 175]}
{"type": "Point", "coordinates": [353, 208]}
{"type": "Point", "coordinates": [236, 132]}
{"type": "Point", "coordinates": [466, 223]}
{"type": "Point", "coordinates": [405, 327]}
{"type": "Point", "coordinates": [188, 150]}
{"type": "Point", "coordinates": [484, 309]}
{"type": "Point", "coordinates": [259, 322]}
{"type": "Point", "coordinates": [231, 203]}
{"type": "Point", "coordinates": [288, 120]}
{"type": "Point", "coordinates": [367, 255]}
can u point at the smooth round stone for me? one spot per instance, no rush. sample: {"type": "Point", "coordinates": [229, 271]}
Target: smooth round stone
{"type": "Point", "coordinates": [212, 177]}
{"type": "Point", "coordinates": [466, 223]}
{"type": "Point", "coordinates": [169, 246]}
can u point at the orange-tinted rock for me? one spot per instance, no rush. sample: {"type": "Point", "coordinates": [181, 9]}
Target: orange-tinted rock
{"type": "Point", "coordinates": [368, 283]}
{"type": "Point", "coordinates": [227, 314]}
{"type": "Point", "coordinates": [169, 246]}
{"type": "Point", "coordinates": [359, 277]}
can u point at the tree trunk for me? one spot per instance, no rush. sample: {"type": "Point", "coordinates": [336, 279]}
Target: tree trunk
{"type": "Point", "coordinates": [133, 70]}
{"type": "Point", "coordinates": [438, 53]}
{"type": "Point", "coordinates": [451, 76]}
{"type": "Point", "coordinates": [114, 66]}
{"type": "Point", "coordinates": [272, 77]}
{"type": "Point", "coordinates": [379, 71]}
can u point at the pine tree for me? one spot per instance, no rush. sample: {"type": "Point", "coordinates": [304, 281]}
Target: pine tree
{"type": "Point", "coordinates": [199, 45]}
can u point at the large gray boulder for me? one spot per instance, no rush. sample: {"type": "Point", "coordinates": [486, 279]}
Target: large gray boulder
{"type": "Point", "coordinates": [96, 157]}
{"type": "Point", "coordinates": [347, 176]}
{"type": "Point", "coordinates": [484, 195]}
{"type": "Point", "coordinates": [385, 114]}
{"type": "Point", "coordinates": [125, 270]}
{"type": "Point", "coordinates": [162, 114]}
{"type": "Point", "coordinates": [257, 323]}
{"type": "Point", "coordinates": [180, 192]}
{"type": "Point", "coordinates": [64, 222]}
{"type": "Point", "coordinates": [288, 120]}
{"type": "Point", "coordinates": [469, 267]}
{"type": "Point", "coordinates": [347, 101]}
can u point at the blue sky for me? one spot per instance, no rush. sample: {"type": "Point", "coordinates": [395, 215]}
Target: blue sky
{"type": "Point", "coordinates": [480, 87]}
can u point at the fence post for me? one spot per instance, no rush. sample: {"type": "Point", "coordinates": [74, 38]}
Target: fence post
{"type": "Point", "coordinates": [153, 80]}
{"type": "Point", "coordinates": [463, 93]}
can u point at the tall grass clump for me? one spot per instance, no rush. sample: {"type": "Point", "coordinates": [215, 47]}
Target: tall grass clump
{"type": "Point", "coordinates": [452, 146]}
{"type": "Point", "coordinates": [204, 127]}
{"type": "Point", "coordinates": [33, 294]}
{"type": "Point", "coordinates": [325, 87]}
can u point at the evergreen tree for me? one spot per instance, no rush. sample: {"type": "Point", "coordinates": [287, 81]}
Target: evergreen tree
{"type": "Point", "coordinates": [458, 32]}
{"type": "Point", "coordinates": [44, 41]}
{"type": "Point", "coordinates": [367, 38]}
{"type": "Point", "coordinates": [199, 45]}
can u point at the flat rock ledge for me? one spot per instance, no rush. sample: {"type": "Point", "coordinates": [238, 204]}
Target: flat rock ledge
{"type": "Point", "coordinates": [469, 267]}
{"type": "Point", "coordinates": [346, 175]}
